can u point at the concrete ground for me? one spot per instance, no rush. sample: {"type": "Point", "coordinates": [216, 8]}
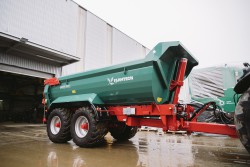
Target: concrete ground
{"type": "Point", "coordinates": [26, 145]}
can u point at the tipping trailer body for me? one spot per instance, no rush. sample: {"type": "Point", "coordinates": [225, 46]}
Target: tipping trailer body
{"type": "Point", "coordinates": [138, 82]}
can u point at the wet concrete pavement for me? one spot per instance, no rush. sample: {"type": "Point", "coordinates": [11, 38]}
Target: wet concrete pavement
{"type": "Point", "coordinates": [25, 145]}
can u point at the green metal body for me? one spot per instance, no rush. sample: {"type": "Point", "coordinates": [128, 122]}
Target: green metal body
{"type": "Point", "coordinates": [224, 83]}
{"type": "Point", "coordinates": [137, 82]}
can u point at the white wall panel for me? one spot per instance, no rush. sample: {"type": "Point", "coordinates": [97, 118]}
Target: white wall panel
{"type": "Point", "coordinates": [109, 45]}
{"type": "Point", "coordinates": [143, 50]}
{"type": "Point", "coordinates": [96, 43]}
{"type": "Point", "coordinates": [125, 48]}
{"type": "Point", "coordinates": [50, 23]}
{"type": "Point", "coordinates": [80, 50]}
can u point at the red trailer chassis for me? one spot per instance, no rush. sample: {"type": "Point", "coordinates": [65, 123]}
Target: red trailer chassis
{"type": "Point", "coordinates": [165, 115]}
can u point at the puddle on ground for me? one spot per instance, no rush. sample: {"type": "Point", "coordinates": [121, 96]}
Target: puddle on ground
{"type": "Point", "coordinates": [22, 146]}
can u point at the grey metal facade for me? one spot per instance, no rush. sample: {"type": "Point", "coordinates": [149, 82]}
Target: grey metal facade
{"type": "Point", "coordinates": [38, 38]}
{"type": "Point", "coordinates": [26, 66]}
{"type": "Point", "coordinates": [96, 42]}
{"type": "Point", "coordinates": [125, 48]}
{"type": "Point", "coordinates": [103, 45]}
{"type": "Point", "coordinates": [58, 33]}
{"type": "Point", "coordinates": [81, 42]}
{"type": "Point", "coordinates": [52, 24]}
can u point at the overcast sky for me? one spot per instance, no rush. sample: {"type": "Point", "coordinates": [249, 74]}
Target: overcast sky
{"type": "Point", "coordinates": [214, 31]}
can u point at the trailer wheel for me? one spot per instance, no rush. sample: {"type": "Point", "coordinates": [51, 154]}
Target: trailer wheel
{"type": "Point", "coordinates": [120, 131]}
{"type": "Point", "coordinates": [58, 125]}
{"type": "Point", "coordinates": [85, 130]}
{"type": "Point", "coordinates": [242, 119]}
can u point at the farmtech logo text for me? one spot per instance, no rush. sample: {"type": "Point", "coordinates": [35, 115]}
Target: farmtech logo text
{"type": "Point", "coordinates": [112, 81]}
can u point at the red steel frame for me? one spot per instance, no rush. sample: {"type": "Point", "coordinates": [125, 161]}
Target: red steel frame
{"type": "Point", "coordinates": [165, 114]}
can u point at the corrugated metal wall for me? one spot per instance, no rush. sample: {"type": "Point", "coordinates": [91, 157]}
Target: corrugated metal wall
{"type": "Point", "coordinates": [104, 45]}
{"type": "Point", "coordinates": [125, 48]}
{"type": "Point", "coordinates": [66, 27]}
{"type": "Point", "coordinates": [96, 42]}
{"type": "Point", "coordinates": [29, 64]}
{"type": "Point", "coordinates": [81, 39]}
{"type": "Point", "coordinates": [49, 23]}
{"type": "Point", "coordinates": [109, 54]}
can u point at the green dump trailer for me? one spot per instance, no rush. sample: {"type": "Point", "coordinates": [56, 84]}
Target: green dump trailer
{"type": "Point", "coordinates": [120, 98]}
{"type": "Point", "coordinates": [79, 105]}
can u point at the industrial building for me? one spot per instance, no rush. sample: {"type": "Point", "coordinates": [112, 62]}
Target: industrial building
{"type": "Point", "coordinates": [52, 38]}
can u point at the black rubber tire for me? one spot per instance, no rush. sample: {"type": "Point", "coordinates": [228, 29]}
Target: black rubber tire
{"type": "Point", "coordinates": [96, 132]}
{"type": "Point", "coordinates": [242, 119]}
{"type": "Point", "coordinates": [64, 133]}
{"type": "Point", "coordinates": [120, 131]}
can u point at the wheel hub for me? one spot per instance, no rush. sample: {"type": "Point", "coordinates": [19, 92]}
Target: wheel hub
{"type": "Point", "coordinates": [81, 126]}
{"type": "Point", "coordinates": [55, 125]}
{"type": "Point", "coordinates": [58, 125]}
{"type": "Point", "coordinates": [85, 126]}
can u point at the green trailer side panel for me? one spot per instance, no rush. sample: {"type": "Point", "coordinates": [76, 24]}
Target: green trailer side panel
{"type": "Point", "coordinates": [91, 98]}
{"type": "Point", "coordinates": [138, 82]}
